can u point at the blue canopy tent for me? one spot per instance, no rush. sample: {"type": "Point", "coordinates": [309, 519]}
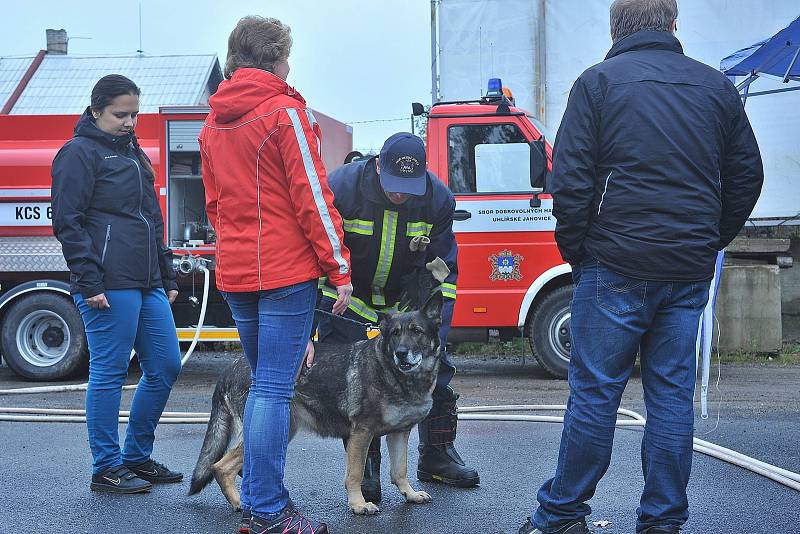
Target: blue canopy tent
{"type": "Point", "coordinates": [777, 57]}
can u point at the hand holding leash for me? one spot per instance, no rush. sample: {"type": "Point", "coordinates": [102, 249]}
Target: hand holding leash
{"type": "Point", "coordinates": [343, 301]}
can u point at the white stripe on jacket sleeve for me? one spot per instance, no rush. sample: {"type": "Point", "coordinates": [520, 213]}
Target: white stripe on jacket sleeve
{"type": "Point", "coordinates": [316, 189]}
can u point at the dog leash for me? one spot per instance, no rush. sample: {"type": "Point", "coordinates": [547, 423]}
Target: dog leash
{"type": "Point", "coordinates": [369, 328]}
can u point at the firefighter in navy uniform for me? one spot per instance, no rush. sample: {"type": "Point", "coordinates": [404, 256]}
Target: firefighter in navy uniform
{"type": "Point", "coordinates": [386, 202]}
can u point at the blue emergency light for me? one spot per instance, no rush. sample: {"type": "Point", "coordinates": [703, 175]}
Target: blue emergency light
{"type": "Point", "coordinates": [495, 87]}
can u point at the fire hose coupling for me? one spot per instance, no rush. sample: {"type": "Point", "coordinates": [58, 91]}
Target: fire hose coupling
{"type": "Point", "coordinates": [188, 264]}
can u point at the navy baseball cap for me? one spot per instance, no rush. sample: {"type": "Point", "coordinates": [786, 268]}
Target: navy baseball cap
{"type": "Point", "coordinates": [403, 166]}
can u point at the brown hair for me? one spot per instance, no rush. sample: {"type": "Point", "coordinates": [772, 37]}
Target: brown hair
{"type": "Point", "coordinates": [631, 16]}
{"type": "Point", "coordinates": [107, 89]}
{"type": "Point", "coordinates": [257, 42]}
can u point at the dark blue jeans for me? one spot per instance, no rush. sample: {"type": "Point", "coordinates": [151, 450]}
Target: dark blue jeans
{"type": "Point", "coordinates": [140, 319]}
{"type": "Point", "coordinates": [274, 327]}
{"type": "Point", "coordinates": [613, 317]}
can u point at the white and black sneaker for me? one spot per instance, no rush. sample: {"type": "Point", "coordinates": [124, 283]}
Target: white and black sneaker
{"type": "Point", "coordinates": [119, 479]}
{"type": "Point", "coordinates": [155, 472]}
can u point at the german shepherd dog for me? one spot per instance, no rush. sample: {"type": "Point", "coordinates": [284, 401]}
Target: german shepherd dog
{"type": "Point", "coordinates": [381, 386]}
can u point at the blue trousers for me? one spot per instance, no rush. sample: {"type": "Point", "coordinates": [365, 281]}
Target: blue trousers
{"type": "Point", "coordinates": [140, 319]}
{"type": "Point", "coordinates": [274, 327]}
{"type": "Point", "coordinates": [613, 317]}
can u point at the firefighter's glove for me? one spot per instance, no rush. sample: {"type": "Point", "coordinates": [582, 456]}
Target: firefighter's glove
{"type": "Point", "coordinates": [438, 268]}
{"type": "Point", "coordinates": [419, 243]}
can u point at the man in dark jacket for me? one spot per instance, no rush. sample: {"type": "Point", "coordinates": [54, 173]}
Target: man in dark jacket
{"type": "Point", "coordinates": [386, 203]}
{"type": "Point", "coordinates": [655, 170]}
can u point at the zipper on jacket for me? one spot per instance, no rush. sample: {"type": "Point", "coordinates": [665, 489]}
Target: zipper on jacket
{"type": "Point", "coordinates": [604, 192]}
{"type": "Point", "coordinates": [105, 245]}
{"type": "Point", "coordinates": [141, 199]}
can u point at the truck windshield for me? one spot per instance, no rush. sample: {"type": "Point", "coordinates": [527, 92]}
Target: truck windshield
{"type": "Point", "coordinates": [548, 135]}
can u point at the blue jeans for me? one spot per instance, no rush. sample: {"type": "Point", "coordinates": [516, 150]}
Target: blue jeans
{"type": "Point", "coordinates": [613, 316]}
{"type": "Point", "coordinates": [274, 327]}
{"type": "Point", "coordinates": [140, 319]}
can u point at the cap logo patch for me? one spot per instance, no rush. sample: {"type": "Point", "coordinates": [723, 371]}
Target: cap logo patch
{"type": "Point", "coordinates": [407, 164]}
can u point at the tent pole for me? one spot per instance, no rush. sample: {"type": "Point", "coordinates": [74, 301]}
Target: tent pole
{"type": "Point", "coordinates": [791, 65]}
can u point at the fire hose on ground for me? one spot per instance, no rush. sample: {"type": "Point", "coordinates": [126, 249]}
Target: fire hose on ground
{"type": "Point", "coordinates": [628, 418]}
{"type": "Point", "coordinates": [185, 265]}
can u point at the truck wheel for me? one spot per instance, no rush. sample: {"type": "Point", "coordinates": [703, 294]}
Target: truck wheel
{"type": "Point", "coordinates": [43, 337]}
{"type": "Point", "coordinates": [548, 331]}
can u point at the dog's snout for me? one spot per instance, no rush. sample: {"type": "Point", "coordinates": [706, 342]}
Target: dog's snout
{"type": "Point", "coordinates": [401, 352]}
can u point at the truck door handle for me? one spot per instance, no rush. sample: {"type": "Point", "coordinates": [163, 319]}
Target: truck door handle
{"type": "Point", "coordinates": [461, 215]}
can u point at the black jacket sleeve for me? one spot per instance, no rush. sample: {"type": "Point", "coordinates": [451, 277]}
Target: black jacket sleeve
{"type": "Point", "coordinates": [573, 178]}
{"type": "Point", "coordinates": [443, 244]}
{"type": "Point", "coordinates": [164, 252]}
{"type": "Point", "coordinates": [741, 174]}
{"type": "Point", "coordinates": [73, 184]}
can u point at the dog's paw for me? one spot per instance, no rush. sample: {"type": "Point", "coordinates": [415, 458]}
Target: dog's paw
{"type": "Point", "coordinates": [417, 497]}
{"type": "Point", "coordinates": [365, 508]}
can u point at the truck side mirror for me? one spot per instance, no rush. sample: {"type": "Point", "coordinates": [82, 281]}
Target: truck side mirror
{"type": "Point", "coordinates": [538, 164]}
{"type": "Point", "coordinates": [417, 109]}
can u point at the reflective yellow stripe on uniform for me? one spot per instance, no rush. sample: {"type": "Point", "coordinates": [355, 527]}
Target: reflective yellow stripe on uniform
{"type": "Point", "coordinates": [356, 304]}
{"type": "Point", "coordinates": [414, 229]}
{"type": "Point", "coordinates": [448, 290]}
{"type": "Point", "coordinates": [358, 226]}
{"type": "Point", "coordinates": [388, 236]}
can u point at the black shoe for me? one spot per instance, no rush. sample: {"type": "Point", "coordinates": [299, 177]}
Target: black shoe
{"type": "Point", "coordinates": [244, 523]}
{"type": "Point", "coordinates": [155, 472]}
{"type": "Point", "coordinates": [575, 527]}
{"type": "Point", "coordinates": [442, 463]}
{"type": "Point", "coordinates": [371, 483]}
{"type": "Point", "coordinates": [671, 529]}
{"type": "Point", "coordinates": [289, 522]}
{"type": "Point", "coordinates": [438, 459]}
{"type": "Point", "coordinates": [119, 479]}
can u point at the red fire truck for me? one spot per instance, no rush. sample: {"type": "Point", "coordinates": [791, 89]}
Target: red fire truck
{"type": "Point", "coordinates": [493, 155]}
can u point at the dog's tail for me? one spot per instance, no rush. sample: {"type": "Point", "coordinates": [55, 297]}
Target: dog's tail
{"type": "Point", "coordinates": [218, 436]}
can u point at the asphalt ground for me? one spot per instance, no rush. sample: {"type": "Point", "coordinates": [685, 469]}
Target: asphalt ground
{"type": "Point", "coordinates": [45, 468]}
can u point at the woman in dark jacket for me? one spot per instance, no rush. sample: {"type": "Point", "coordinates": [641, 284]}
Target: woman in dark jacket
{"type": "Point", "coordinates": [107, 217]}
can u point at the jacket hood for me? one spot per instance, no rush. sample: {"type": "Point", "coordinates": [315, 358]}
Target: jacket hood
{"type": "Point", "coordinates": [245, 91]}
{"type": "Point", "coordinates": [646, 40]}
{"type": "Point", "coordinates": [86, 127]}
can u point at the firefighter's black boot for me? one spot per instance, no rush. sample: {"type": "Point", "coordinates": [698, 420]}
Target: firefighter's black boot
{"type": "Point", "coordinates": [438, 459]}
{"type": "Point", "coordinates": [371, 484]}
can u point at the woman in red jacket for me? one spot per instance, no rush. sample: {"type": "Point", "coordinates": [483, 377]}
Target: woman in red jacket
{"type": "Point", "coordinates": [267, 197]}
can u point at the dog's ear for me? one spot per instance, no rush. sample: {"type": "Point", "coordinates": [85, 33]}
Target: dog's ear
{"type": "Point", "coordinates": [433, 307]}
{"type": "Point", "coordinates": [383, 318]}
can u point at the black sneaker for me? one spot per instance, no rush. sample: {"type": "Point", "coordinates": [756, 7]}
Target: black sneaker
{"type": "Point", "coordinates": [155, 472]}
{"type": "Point", "coordinates": [671, 529]}
{"type": "Point", "coordinates": [119, 479]}
{"type": "Point", "coordinates": [289, 522]}
{"type": "Point", "coordinates": [575, 527]}
{"type": "Point", "coordinates": [244, 524]}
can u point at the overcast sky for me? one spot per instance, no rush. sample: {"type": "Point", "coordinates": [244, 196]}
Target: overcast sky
{"type": "Point", "coordinates": [356, 60]}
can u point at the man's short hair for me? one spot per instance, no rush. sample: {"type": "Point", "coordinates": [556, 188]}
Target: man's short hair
{"type": "Point", "coordinates": [631, 16]}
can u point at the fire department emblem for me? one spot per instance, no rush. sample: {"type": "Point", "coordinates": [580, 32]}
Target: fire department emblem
{"type": "Point", "coordinates": [407, 164]}
{"type": "Point", "coordinates": [505, 266]}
